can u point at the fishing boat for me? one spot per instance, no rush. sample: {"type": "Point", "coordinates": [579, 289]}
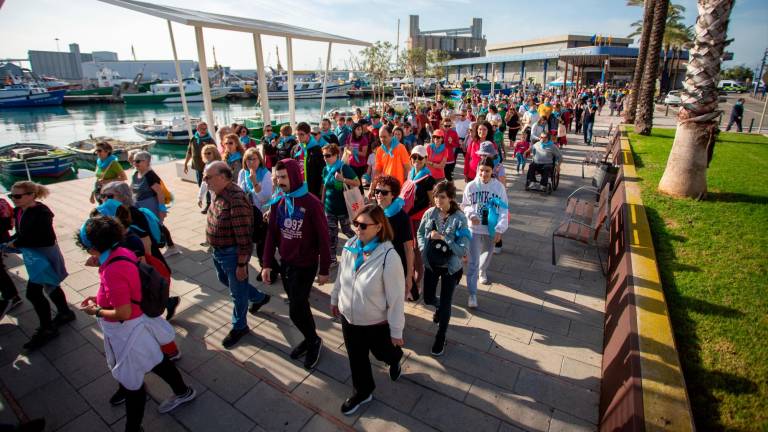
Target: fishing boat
{"type": "Point", "coordinates": [170, 93]}
{"type": "Point", "coordinates": [120, 148]}
{"type": "Point", "coordinates": [166, 132]}
{"type": "Point", "coordinates": [28, 94]}
{"type": "Point", "coordinates": [35, 160]}
{"type": "Point", "coordinates": [278, 89]}
{"type": "Point", "coordinates": [255, 124]}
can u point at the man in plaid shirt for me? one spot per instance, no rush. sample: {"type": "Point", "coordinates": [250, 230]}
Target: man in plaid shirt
{"type": "Point", "coordinates": [228, 231]}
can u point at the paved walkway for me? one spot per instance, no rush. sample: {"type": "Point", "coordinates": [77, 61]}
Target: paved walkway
{"type": "Point", "coordinates": [528, 359]}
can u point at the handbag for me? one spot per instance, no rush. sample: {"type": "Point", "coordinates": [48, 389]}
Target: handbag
{"type": "Point", "coordinates": [354, 200]}
{"type": "Point", "coordinates": [438, 253]}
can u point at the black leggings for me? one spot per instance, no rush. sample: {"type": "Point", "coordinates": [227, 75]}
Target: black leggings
{"type": "Point", "coordinates": [7, 287]}
{"type": "Point", "coordinates": [41, 305]}
{"type": "Point", "coordinates": [447, 286]}
{"type": "Point", "coordinates": [167, 234]}
{"type": "Point", "coordinates": [513, 136]}
{"type": "Point", "coordinates": [135, 400]}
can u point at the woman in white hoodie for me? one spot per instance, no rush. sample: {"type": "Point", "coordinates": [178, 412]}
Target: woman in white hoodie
{"type": "Point", "coordinates": [485, 204]}
{"type": "Point", "coordinates": [369, 294]}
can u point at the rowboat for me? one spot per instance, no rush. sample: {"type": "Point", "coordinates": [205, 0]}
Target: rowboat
{"type": "Point", "coordinates": [166, 132]}
{"type": "Point", "coordinates": [35, 160]}
{"type": "Point", "coordinates": [170, 93]}
{"type": "Point", "coordinates": [120, 148]}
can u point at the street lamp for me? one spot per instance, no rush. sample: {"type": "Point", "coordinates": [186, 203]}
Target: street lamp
{"type": "Point", "coordinates": [57, 44]}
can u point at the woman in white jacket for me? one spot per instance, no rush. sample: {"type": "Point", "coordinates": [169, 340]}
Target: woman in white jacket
{"type": "Point", "coordinates": [485, 204]}
{"type": "Point", "coordinates": [369, 294]}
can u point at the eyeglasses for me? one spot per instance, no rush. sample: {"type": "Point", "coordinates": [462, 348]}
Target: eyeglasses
{"type": "Point", "coordinates": [417, 157]}
{"type": "Point", "coordinates": [328, 155]}
{"type": "Point", "coordinates": [362, 226]}
{"type": "Point", "coordinates": [382, 192]}
{"type": "Point", "coordinates": [138, 161]}
{"type": "Point", "coordinates": [18, 196]}
{"type": "Point", "coordinates": [107, 196]}
{"type": "Point", "coordinates": [99, 151]}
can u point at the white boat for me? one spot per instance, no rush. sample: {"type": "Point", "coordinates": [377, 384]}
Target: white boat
{"type": "Point", "coordinates": [28, 94]}
{"type": "Point", "coordinates": [166, 132]}
{"type": "Point", "coordinates": [170, 93]}
{"type": "Point", "coordinates": [401, 102]}
{"type": "Point", "coordinates": [120, 148]}
{"type": "Point", "coordinates": [278, 89]}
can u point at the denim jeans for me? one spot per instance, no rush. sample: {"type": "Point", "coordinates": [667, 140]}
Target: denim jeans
{"type": "Point", "coordinates": [242, 292]}
{"type": "Point", "coordinates": [480, 254]}
{"type": "Point", "coordinates": [588, 132]}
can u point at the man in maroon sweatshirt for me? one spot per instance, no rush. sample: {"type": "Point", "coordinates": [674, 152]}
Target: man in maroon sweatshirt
{"type": "Point", "coordinates": [299, 230]}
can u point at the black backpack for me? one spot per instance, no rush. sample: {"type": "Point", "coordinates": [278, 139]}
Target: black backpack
{"type": "Point", "coordinates": [154, 288]}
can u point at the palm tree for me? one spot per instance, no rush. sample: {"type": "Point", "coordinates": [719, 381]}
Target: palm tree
{"type": "Point", "coordinates": [645, 103]}
{"type": "Point", "coordinates": [686, 171]}
{"type": "Point", "coordinates": [629, 113]}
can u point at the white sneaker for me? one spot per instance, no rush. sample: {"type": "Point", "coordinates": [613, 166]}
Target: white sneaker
{"type": "Point", "coordinates": [496, 250]}
{"type": "Point", "coordinates": [472, 303]}
{"type": "Point", "coordinates": [171, 251]}
{"type": "Point", "coordinates": [174, 402]}
{"type": "Point", "coordinates": [484, 279]}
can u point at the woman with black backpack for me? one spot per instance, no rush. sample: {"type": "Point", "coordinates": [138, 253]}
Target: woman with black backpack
{"type": "Point", "coordinates": [443, 238]}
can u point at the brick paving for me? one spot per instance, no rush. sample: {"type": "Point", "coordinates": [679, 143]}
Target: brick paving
{"type": "Point", "coordinates": [528, 359]}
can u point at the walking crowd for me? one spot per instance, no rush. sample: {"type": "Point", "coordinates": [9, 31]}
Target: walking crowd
{"type": "Point", "coordinates": [383, 179]}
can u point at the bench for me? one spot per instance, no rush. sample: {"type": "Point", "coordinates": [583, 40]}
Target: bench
{"type": "Point", "coordinates": [596, 155]}
{"type": "Point", "coordinates": [604, 133]}
{"type": "Point", "coordinates": [584, 217]}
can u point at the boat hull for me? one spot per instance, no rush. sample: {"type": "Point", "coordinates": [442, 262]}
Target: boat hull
{"type": "Point", "coordinates": [158, 98]}
{"type": "Point", "coordinates": [332, 92]}
{"type": "Point", "coordinates": [50, 98]}
{"type": "Point", "coordinates": [42, 167]}
{"type": "Point", "coordinates": [163, 136]}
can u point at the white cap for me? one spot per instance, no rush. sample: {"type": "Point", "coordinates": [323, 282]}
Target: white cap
{"type": "Point", "coordinates": [419, 150]}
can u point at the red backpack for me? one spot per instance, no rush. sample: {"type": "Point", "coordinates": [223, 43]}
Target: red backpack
{"type": "Point", "coordinates": [408, 193]}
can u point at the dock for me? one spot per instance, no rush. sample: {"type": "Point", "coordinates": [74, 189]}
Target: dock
{"type": "Point", "coordinates": [77, 100]}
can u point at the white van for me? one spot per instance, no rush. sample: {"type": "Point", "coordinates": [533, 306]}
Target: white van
{"type": "Point", "coordinates": [731, 86]}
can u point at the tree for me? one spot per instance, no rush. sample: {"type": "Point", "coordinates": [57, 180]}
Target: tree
{"type": "Point", "coordinates": [436, 60]}
{"type": "Point", "coordinates": [412, 62]}
{"type": "Point", "coordinates": [738, 73]}
{"type": "Point", "coordinates": [645, 38]}
{"type": "Point", "coordinates": [645, 102]}
{"type": "Point", "coordinates": [376, 62]}
{"type": "Point", "coordinates": [686, 172]}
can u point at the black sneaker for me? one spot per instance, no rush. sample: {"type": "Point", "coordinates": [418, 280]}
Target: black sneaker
{"type": "Point", "coordinates": [438, 348]}
{"type": "Point", "coordinates": [35, 425]}
{"type": "Point", "coordinates": [395, 369]}
{"type": "Point", "coordinates": [353, 403]}
{"type": "Point", "coordinates": [118, 398]}
{"type": "Point", "coordinates": [5, 306]}
{"type": "Point", "coordinates": [436, 317]}
{"type": "Point", "coordinates": [233, 337]}
{"type": "Point", "coordinates": [170, 307]}
{"type": "Point", "coordinates": [313, 354]}
{"type": "Point", "coordinates": [254, 309]}
{"type": "Point", "coordinates": [62, 318]}
{"type": "Point", "coordinates": [41, 337]}
{"type": "Point", "coordinates": [300, 350]}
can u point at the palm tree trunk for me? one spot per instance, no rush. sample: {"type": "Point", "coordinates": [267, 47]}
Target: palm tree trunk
{"type": "Point", "coordinates": [675, 67]}
{"type": "Point", "coordinates": [686, 172]}
{"type": "Point", "coordinates": [645, 37]}
{"type": "Point", "coordinates": [645, 103]}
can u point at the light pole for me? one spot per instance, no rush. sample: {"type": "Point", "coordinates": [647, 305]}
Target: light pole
{"type": "Point", "coordinates": [57, 44]}
{"type": "Point", "coordinates": [760, 74]}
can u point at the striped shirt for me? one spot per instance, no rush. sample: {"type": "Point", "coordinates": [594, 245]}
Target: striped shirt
{"type": "Point", "coordinates": [230, 222]}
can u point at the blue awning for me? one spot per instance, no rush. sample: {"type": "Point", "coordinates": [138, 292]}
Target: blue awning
{"type": "Point", "coordinates": [590, 51]}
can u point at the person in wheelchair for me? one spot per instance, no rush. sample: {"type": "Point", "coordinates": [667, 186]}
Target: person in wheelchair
{"type": "Point", "coordinates": [545, 155]}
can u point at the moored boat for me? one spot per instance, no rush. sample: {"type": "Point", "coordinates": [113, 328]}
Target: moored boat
{"type": "Point", "coordinates": [35, 160]}
{"type": "Point", "coordinates": [278, 89]}
{"type": "Point", "coordinates": [21, 95]}
{"type": "Point", "coordinates": [120, 148]}
{"type": "Point", "coordinates": [170, 93]}
{"type": "Point", "coordinates": [166, 132]}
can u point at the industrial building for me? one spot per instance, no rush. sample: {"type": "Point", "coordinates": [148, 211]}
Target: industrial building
{"type": "Point", "coordinates": [449, 40]}
{"type": "Point", "coordinates": [584, 59]}
{"type": "Point", "coordinates": [76, 66]}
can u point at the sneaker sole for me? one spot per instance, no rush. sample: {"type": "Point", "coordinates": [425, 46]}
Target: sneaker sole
{"type": "Point", "coordinates": [317, 360]}
{"type": "Point", "coordinates": [178, 403]}
{"type": "Point", "coordinates": [440, 354]}
{"type": "Point", "coordinates": [357, 407]}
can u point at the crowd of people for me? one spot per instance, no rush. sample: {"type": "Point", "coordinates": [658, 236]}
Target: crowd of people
{"type": "Point", "coordinates": [383, 179]}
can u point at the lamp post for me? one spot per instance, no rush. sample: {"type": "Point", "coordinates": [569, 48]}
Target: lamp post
{"type": "Point", "coordinates": [57, 44]}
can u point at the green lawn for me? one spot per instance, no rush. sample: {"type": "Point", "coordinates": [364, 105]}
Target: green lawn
{"type": "Point", "coordinates": [713, 256]}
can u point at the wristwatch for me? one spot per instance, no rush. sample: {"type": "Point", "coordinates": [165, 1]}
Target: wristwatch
{"type": "Point", "coordinates": [98, 310]}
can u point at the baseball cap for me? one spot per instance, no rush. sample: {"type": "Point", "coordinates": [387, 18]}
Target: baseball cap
{"type": "Point", "coordinates": [419, 150]}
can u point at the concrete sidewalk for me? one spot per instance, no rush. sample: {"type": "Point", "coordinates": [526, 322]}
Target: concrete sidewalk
{"type": "Point", "coordinates": [528, 359]}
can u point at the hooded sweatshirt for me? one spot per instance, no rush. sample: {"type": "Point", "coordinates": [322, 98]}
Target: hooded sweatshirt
{"type": "Point", "coordinates": [300, 237]}
{"type": "Point", "coordinates": [478, 199]}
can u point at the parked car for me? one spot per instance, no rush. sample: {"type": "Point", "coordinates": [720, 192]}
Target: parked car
{"type": "Point", "coordinates": [731, 86]}
{"type": "Point", "coordinates": [673, 98]}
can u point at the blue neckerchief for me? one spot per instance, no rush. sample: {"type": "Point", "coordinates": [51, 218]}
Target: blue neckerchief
{"type": "Point", "coordinates": [547, 145]}
{"type": "Point", "coordinates": [245, 140]}
{"type": "Point", "coordinates": [377, 125]}
{"type": "Point", "coordinates": [260, 172]}
{"type": "Point", "coordinates": [392, 145]}
{"type": "Point", "coordinates": [437, 150]}
{"type": "Point", "coordinates": [270, 137]}
{"type": "Point", "coordinates": [394, 207]}
{"type": "Point", "coordinates": [284, 140]}
{"type": "Point", "coordinates": [359, 250]}
{"type": "Point", "coordinates": [463, 232]}
{"type": "Point", "coordinates": [84, 237]}
{"type": "Point", "coordinates": [234, 157]}
{"type": "Point", "coordinates": [332, 170]}
{"type": "Point", "coordinates": [200, 139]}
{"type": "Point", "coordinates": [105, 255]}
{"type": "Point", "coordinates": [326, 135]}
{"type": "Point", "coordinates": [303, 149]}
{"type": "Point", "coordinates": [413, 175]}
{"type": "Point", "coordinates": [109, 207]}
{"type": "Point", "coordinates": [494, 204]}
{"type": "Point", "coordinates": [289, 197]}
{"type": "Point", "coordinates": [103, 164]}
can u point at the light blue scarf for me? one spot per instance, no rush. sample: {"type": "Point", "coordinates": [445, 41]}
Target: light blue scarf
{"type": "Point", "coordinates": [260, 172]}
{"type": "Point", "coordinates": [109, 207]}
{"type": "Point", "coordinates": [414, 176]}
{"type": "Point", "coordinates": [303, 149]}
{"type": "Point", "coordinates": [289, 197]}
{"type": "Point", "coordinates": [332, 170]}
{"type": "Point", "coordinates": [437, 150]}
{"type": "Point", "coordinates": [103, 164]}
{"type": "Point", "coordinates": [199, 138]}
{"type": "Point", "coordinates": [359, 250]}
{"type": "Point", "coordinates": [284, 140]}
{"type": "Point", "coordinates": [494, 204]}
{"type": "Point", "coordinates": [245, 140]}
{"type": "Point", "coordinates": [234, 157]}
{"type": "Point", "coordinates": [394, 207]}
{"type": "Point", "coordinates": [393, 143]}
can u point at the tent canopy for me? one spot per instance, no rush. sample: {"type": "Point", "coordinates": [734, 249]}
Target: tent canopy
{"type": "Point", "coordinates": [226, 22]}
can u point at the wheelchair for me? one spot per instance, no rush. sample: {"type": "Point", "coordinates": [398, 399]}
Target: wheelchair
{"type": "Point", "coordinates": [552, 182]}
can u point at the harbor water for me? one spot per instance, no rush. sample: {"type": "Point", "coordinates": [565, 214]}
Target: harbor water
{"type": "Point", "coordinates": [60, 126]}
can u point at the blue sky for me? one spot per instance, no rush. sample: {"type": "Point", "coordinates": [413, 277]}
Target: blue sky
{"type": "Point", "coordinates": [96, 26]}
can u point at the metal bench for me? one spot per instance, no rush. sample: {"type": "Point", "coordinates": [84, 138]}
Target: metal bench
{"type": "Point", "coordinates": [597, 155]}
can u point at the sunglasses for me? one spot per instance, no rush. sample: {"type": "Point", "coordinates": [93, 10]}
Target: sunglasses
{"type": "Point", "coordinates": [136, 162]}
{"type": "Point", "coordinates": [18, 196]}
{"type": "Point", "coordinates": [361, 225]}
{"type": "Point", "coordinates": [417, 157]}
{"type": "Point", "coordinates": [381, 192]}
{"type": "Point", "coordinates": [328, 155]}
